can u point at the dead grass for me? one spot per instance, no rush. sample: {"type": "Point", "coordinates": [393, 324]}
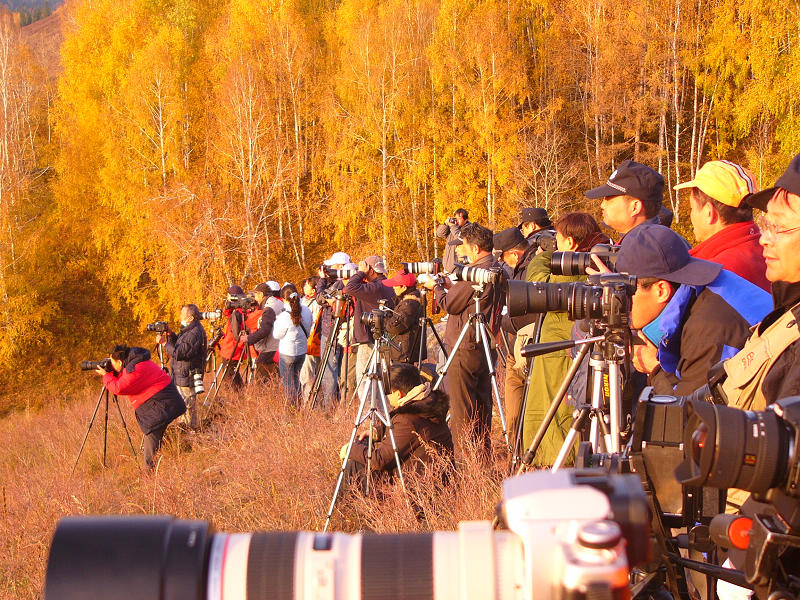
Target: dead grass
{"type": "Point", "coordinates": [259, 466]}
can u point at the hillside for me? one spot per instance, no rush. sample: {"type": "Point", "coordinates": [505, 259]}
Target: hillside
{"type": "Point", "coordinates": [260, 465]}
{"type": "Point", "coordinates": [44, 37]}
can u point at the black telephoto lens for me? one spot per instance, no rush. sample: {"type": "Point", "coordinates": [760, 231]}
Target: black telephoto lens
{"type": "Point", "coordinates": [570, 263]}
{"type": "Point", "coordinates": [726, 447]}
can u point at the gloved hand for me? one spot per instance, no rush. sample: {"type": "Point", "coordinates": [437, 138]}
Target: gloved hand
{"type": "Point", "coordinates": [343, 453]}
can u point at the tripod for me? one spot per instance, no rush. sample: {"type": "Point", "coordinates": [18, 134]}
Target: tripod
{"type": "Point", "coordinates": [478, 320]}
{"type": "Point", "coordinates": [104, 394]}
{"type": "Point", "coordinates": [224, 369]}
{"type": "Point", "coordinates": [422, 336]}
{"type": "Point", "coordinates": [375, 391]}
{"type": "Point", "coordinates": [341, 307]}
{"type": "Point", "coordinates": [607, 357]}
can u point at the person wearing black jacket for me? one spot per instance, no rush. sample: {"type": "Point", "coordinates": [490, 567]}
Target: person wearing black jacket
{"type": "Point", "coordinates": [418, 417]}
{"type": "Point", "coordinates": [517, 252]}
{"type": "Point", "coordinates": [188, 351]}
{"type": "Point", "coordinates": [404, 323]}
{"type": "Point", "coordinates": [467, 381]}
{"type": "Point", "coordinates": [367, 288]}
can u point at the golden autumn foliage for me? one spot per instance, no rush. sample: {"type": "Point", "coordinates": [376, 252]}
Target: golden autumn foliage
{"type": "Point", "coordinates": [190, 144]}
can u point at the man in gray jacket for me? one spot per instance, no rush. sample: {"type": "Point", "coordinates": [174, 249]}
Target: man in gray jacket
{"type": "Point", "coordinates": [450, 230]}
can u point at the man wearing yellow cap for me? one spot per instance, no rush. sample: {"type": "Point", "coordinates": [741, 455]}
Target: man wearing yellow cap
{"type": "Point", "coordinates": [723, 221]}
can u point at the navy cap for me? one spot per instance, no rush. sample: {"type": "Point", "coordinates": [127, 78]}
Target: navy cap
{"type": "Point", "coordinates": [789, 181]}
{"type": "Point", "coordinates": [656, 251]}
{"type": "Point", "coordinates": [508, 239]}
{"type": "Point", "coordinates": [534, 214]}
{"type": "Point", "coordinates": [632, 179]}
{"type": "Point", "coordinates": [236, 290]}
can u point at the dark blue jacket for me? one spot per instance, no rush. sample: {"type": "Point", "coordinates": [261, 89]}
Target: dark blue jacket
{"type": "Point", "coordinates": [188, 352]}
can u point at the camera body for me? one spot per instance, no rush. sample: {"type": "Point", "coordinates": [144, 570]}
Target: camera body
{"type": "Point", "coordinates": [571, 535]}
{"type": "Point", "coordinates": [375, 320]}
{"type": "Point", "coordinates": [544, 239]}
{"type": "Point", "coordinates": [91, 365]}
{"type": "Point", "coordinates": [158, 327]}
{"type": "Point", "coordinates": [241, 301]}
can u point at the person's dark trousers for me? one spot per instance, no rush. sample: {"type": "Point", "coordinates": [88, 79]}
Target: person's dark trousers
{"type": "Point", "coordinates": [231, 375]}
{"type": "Point", "coordinates": [329, 388]}
{"type": "Point", "coordinates": [352, 374]}
{"type": "Point", "coordinates": [514, 390]}
{"type": "Point", "coordinates": [266, 367]}
{"type": "Point", "coordinates": [152, 442]}
{"type": "Point", "coordinates": [290, 375]}
{"type": "Point", "coordinates": [469, 387]}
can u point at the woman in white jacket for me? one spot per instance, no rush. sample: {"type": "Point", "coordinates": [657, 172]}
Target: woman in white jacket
{"type": "Point", "coordinates": [291, 329]}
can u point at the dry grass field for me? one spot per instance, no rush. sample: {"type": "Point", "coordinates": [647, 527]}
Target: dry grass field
{"type": "Point", "coordinates": [259, 465]}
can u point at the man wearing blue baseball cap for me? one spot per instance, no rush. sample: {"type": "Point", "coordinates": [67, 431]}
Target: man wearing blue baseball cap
{"type": "Point", "coordinates": [690, 313]}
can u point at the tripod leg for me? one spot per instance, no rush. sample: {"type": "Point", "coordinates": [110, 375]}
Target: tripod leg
{"type": "Point", "coordinates": [323, 364]}
{"type": "Point", "coordinates": [125, 426]}
{"type": "Point", "coordinates": [438, 338]}
{"type": "Point", "coordinates": [340, 479]}
{"type": "Point", "coordinates": [88, 429]}
{"type": "Point", "coordinates": [388, 423]}
{"type": "Point", "coordinates": [578, 423]}
{"type": "Point", "coordinates": [211, 398]}
{"type": "Point", "coordinates": [615, 400]}
{"type": "Point", "coordinates": [597, 400]}
{"type": "Point", "coordinates": [363, 376]}
{"type": "Point", "coordinates": [528, 457]}
{"type": "Point", "coordinates": [450, 358]}
{"type": "Point", "coordinates": [483, 336]}
{"type": "Point", "coordinates": [105, 431]}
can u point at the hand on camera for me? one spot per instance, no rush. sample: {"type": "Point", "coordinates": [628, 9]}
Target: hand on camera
{"type": "Point", "coordinates": [100, 371]}
{"type": "Point", "coordinates": [159, 339]}
{"type": "Point", "coordinates": [645, 356]}
{"type": "Point", "coordinates": [600, 266]}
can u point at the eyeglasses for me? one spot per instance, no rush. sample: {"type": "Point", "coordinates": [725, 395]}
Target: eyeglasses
{"type": "Point", "coordinates": [772, 230]}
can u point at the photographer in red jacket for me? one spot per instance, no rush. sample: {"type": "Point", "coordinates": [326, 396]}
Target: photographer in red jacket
{"type": "Point", "coordinates": [155, 399]}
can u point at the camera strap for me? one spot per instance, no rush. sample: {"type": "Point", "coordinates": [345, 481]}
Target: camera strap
{"type": "Point", "coordinates": [747, 369]}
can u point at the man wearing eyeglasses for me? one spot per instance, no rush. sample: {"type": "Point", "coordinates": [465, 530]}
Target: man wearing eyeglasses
{"type": "Point", "coordinates": [768, 367]}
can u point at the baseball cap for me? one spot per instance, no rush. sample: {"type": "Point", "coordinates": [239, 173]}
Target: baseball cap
{"type": "Point", "coordinates": [536, 215]}
{"type": "Point", "coordinates": [632, 179]}
{"type": "Point", "coordinates": [274, 286]}
{"type": "Point", "coordinates": [789, 181]}
{"type": "Point", "coordinates": [376, 262]}
{"type": "Point", "coordinates": [236, 290]}
{"type": "Point", "coordinates": [656, 251]}
{"type": "Point", "coordinates": [337, 258]}
{"type": "Point", "coordinates": [508, 239]}
{"type": "Point", "coordinates": [401, 278]}
{"type": "Point", "coordinates": [724, 181]}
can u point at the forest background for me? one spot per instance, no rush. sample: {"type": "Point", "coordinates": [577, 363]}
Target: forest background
{"type": "Point", "coordinates": [153, 152]}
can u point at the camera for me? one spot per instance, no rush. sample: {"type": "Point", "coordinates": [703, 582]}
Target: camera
{"type": "Point", "coordinates": [375, 320]}
{"type": "Point", "coordinates": [605, 297]}
{"type": "Point", "coordinates": [571, 535]}
{"type": "Point", "coordinates": [576, 263]}
{"type": "Point", "coordinates": [452, 221]}
{"type": "Point", "coordinates": [91, 365]}
{"type": "Point", "coordinates": [339, 273]}
{"type": "Point", "coordinates": [545, 239]}
{"type": "Point", "coordinates": [241, 301]}
{"type": "Point", "coordinates": [754, 451]}
{"type": "Point", "coordinates": [212, 315]}
{"type": "Point", "coordinates": [477, 274]}
{"type": "Point", "coordinates": [158, 326]}
{"type": "Point", "coordinates": [433, 267]}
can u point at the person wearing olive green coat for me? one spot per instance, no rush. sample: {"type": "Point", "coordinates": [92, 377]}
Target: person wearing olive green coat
{"type": "Point", "coordinates": [574, 232]}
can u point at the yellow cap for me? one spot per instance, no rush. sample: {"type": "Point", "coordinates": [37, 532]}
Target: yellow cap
{"type": "Point", "coordinates": [724, 181]}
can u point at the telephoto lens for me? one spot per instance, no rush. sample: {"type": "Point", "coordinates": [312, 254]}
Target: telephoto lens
{"type": "Point", "coordinates": [212, 315]}
{"type": "Point", "coordinates": [197, 382]}
{"type": "Point", "coordinates": [158, 326]}
{"type": "Point", "coordinates": [428, 268]}
{"type": "Point", "coordinates": [755, 451]}
{"type": "Point", "coordinates": [91, 365]}
{"type": "Point", "coordinates": [477, 274]}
